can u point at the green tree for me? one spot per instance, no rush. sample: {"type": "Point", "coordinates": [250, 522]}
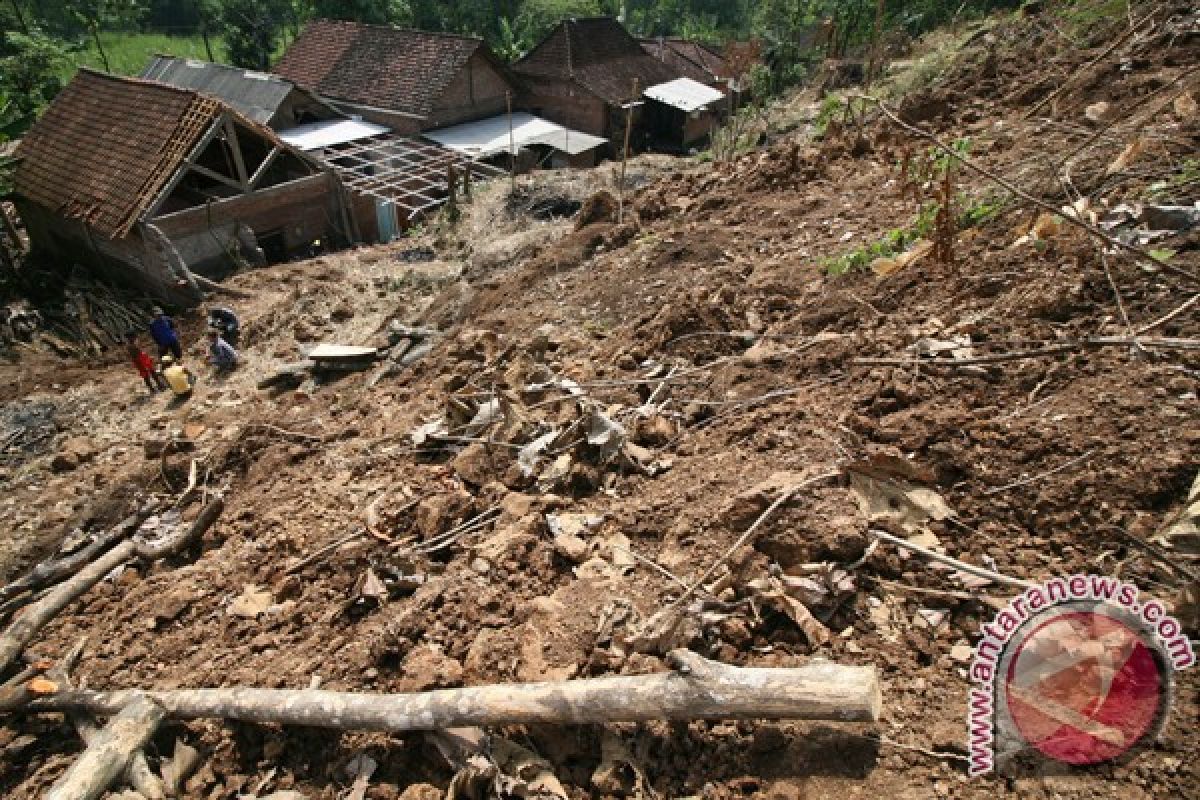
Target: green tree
{"type": "Point", "coordinates": [252, 30]}
{"type": "Point", "coordinates": [97, 15]}
{"type": "Point", "coordinates": [538, 17]}
{"type": "Point", "coordinates": [30, 73]}
{"type": "Point", "coordinates": [374, 12]}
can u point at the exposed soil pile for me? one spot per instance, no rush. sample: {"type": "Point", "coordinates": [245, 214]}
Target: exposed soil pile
{"type": "Point", "coordinates": [610, 405]}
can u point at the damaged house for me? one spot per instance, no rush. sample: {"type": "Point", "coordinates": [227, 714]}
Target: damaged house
{"type": "Point", "coordinates": [266, 99]}
{"type": "Point", "coordinates": [166, 188]}
{"type": "Point", "coordinates": [583, 74]}
{"type": "Point", "coordinates": [408, 80]}
{"type": "Point", "coordinates": [694, 60]}
{"type": "Point", "coordinates": [426, 107]}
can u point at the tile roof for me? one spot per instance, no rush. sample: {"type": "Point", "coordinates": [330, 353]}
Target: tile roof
{"type": "Point", "coordinates": [396, 69]}
{"type": "Point", "coordinates": [255, 94]}
{"type": "Point", "coordinates": [694, 60]}
{"type": "Point", "coordinates": [598, 54]}
{"type": "Point", "coordinates": [106, 146]}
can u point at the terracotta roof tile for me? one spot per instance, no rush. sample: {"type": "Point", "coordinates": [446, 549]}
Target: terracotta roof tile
{"type": "Point", "coordinates": [598, 54]}
{"type": "Point", "coordinates": [391, 68]}
{"type": "Point", "coordinates": [694, 60]}
{"type": "Point", "coordinates": [106, 146]}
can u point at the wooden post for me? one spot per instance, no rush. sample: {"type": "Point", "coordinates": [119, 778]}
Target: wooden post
{"type": "Point", "coordinates": [467, 180]}
{"type": "Point", "coordinates": [11, 228]}
{"type": "Point", "coordinates": [625, 153]}
{"type": "Point", "coordinates": [512, 145]}
{"type": "Point", "coordinates": [452, 192]}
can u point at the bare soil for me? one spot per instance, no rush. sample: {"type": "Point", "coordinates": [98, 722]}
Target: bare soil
{"type": "Point", "coordinates": [706, 254]}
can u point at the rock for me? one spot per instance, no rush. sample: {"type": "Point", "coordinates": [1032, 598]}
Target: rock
{"type": "Point", "coordinates": [516, 538]}
{"type": "Point", "coordinates": [1098, 112]}
{"type": "Point", "coordinates": [477, 465]}
{"type": "Point", "coordinates": [653, 431]}
{"type": "Point", "coordinates": [745, 508]}
{"type": "Point", "coordinates": [436, 514]}
{"type": "Point", "coordinates": [571, 547]}
{"type": "Point", "coordinates": [626, 362]}
{"type": "Point", "coordinates": [72, 453]}
{"type": "Point", "coordinates": [962, 653]}
{"type": "Point", "coordinates": [426, 668]}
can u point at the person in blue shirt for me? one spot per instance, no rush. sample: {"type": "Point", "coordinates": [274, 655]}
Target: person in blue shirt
{"type": "Point", "coordinates": [220, 354]}
{"type": "Point", "coordinates": [165, 335]}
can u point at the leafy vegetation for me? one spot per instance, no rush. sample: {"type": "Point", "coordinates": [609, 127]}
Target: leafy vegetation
{"type": "Point", "coordinates": [119, 35]}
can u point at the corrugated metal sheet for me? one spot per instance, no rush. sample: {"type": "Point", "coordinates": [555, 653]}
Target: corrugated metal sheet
{"type": "Point", "coordinates": [255, 94]}
{"type": "Point", "coordinates": [685, 94]}
{"type": "Point", "coordinates": [329, 132]}
{"type": "Point", "coordinates": [487, 137]}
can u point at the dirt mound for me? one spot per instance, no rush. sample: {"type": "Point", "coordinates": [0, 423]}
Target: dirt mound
{"type": "Point", "coordinates": [604, 412]}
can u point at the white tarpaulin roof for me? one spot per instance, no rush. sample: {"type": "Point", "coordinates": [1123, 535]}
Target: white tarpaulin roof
{"type": "Point", "coordinates": [684, 93]}
{"type": "Point", "coordinates": [315, 135]}
{"type": "Point", "coordinates": [487, 137]}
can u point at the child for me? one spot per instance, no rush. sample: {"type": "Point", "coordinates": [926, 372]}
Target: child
{"type": "Point", "coordinates": [145, 365]}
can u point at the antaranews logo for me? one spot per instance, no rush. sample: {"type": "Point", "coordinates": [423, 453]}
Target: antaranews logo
{"type": "Point", "coordinates": [1077, 670]}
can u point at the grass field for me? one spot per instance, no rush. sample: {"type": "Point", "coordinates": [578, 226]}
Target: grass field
{"type": "Point", "coordinates": [128, 52]}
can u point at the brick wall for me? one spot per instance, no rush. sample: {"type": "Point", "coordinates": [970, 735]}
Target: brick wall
{"type": "Point", "coordinates": [62, 241]}
{"type": "Point", "coordinates": [561, 102]}
{"type": "Point", "coordinates": [299, 211]}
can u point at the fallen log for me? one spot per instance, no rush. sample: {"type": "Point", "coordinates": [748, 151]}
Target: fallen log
{"type": "Point", "coordinates": [138, 773]}
{"type": "Point", "coordinates": [21, 632]}
{"type": "Point", "coordinates": [696, 689]}
{"type": "Point", "coordinates": [49, 572]}
{"type": "Point", "coordinates": [108, 754]}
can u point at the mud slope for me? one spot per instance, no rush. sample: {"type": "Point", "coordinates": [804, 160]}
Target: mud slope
{"type": "Point", "coordinates": [710, 325]}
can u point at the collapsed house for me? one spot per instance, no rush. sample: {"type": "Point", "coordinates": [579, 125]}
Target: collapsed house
{"type": "Point", "coordinates": [165, 188]}
{"type": "Point", "coordinates": [591, 74]}
{"type": "Point", "coordinates": [392, 178]}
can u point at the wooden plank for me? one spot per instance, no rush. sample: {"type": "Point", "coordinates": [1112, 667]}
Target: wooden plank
{"type": "Point", "coordinates": [235, 147]}
{"type": "Point", "coordinates": [264, 166]}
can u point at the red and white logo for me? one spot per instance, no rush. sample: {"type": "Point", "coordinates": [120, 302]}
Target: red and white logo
{"type": "Point", "coordinates": [1081, 687]}
{"type": "Point", "coordinates": [1076, 671]}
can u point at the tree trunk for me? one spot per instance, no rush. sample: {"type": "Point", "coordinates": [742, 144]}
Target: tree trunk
{"type": "Point", "coordinates": [696, 689]}
{"type": "Point", "coordinates": [49, 572]}
{"type": "Point", "coordinates": [109, 753]}
{"type": "Point", "coordinates": [16, 7]}
{"type": "Point", "coordinates": [21, 632]}
{"type": "Point", "coordinates": [95, 26]}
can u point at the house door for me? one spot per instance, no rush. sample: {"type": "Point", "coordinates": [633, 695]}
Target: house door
{"type": "Point", "coordinates": [385, 217]}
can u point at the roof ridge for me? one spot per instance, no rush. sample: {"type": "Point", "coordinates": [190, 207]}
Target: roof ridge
{"type": "Point", "coordinates": [229, 67]}
{"type": "Point", "coordinates": [95, 73]}
{"type": "Point", "coordinates": [399, 28]}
